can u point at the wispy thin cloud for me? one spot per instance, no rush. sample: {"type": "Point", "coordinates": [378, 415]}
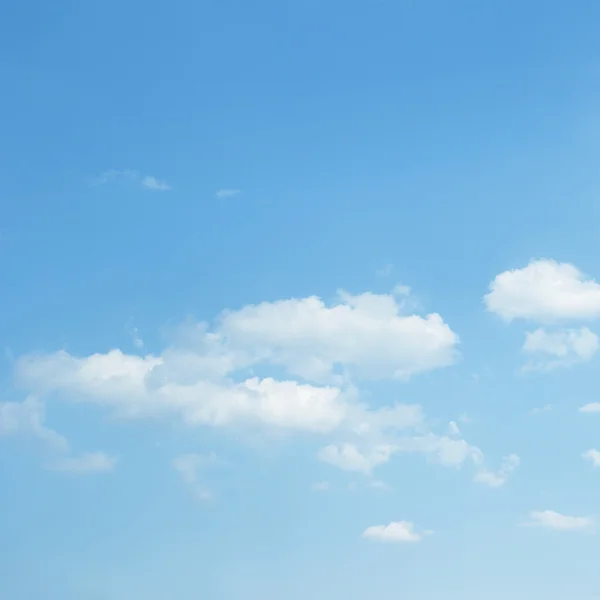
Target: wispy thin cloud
{"type": "Point", "coordinates": [155, 184]}
{"type": "Point", "coordinates": [189, 466]}
{"type": "Point", "coordinates": [551, 519]}
{"type": "Point", "coordinates": [148, 181]}
{"type": "Point", "coordinates": [227, 193]}
{"type": "Point", "coordinates": [91, 462]}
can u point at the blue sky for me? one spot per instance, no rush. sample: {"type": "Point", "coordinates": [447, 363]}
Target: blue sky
{"type": "Point", "coordinates": [299, 300]}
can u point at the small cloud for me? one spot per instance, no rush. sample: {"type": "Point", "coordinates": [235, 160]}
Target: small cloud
{"type": "Point", "coordinates": [542, 410]}
{"type": "Point", "coordinates": [593, 456]}
{"type": "Point", "coordinates": [397, 531]}
{"type": "Point", "coordinates": [147, 181]}
{"type": "Point", "coordinates": [559, 349]}
{"type": "Point", "coordinates": [227, 193]}
{"type": "Point", "coordinates": [552, 520]}
{"type": "Point", "coordinates": [453, 429]}
{"type": "Point", "coordinates": [321, 486]}
{"type": "Point", "coordinates": [136, 338]}
{"type": "Point", "coordinates": [91, 462]}
{"type": "Point", "coordinates": [498, 478]}
{"type": "Point", "coordinates": [593, 407]}
{"type": "Point", "coordinates": [114, 174]}
{"type": "Point", "coordinates": [155, 184]}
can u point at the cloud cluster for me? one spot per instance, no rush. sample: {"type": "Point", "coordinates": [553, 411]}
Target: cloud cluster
{"type": "Point", "coordinates": [324, 352]}
{"type": "Point", "coordinates": [549, 293]}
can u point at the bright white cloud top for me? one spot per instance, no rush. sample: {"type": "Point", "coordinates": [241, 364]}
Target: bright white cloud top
{"type": "Point", "coordinates": [395, 532]}
{"type": "Point", "coordinates": [546, 291]}
{"type": "Point", "coordinates": [550, 519]}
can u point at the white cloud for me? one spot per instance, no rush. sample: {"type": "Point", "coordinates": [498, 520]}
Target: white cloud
{"type": "Point", "coordinates": [155, 184]}
{"type": "Point", "coordinates": [349, 458]}
{"type": "Point", "coordinates": [498, 478]}
{"type": "Point", "coordinates": [92, 462]}
{"type": "Point", "coordinates": [593, 456]}
{"type": "Point", "coordinates": [227, 193]}
{"type": "Point", "coordinates": [199, 378]}
{"type": "Point", "coordinates": [364, 335]}
{"type": "Point", "coordinates": [189, 467]}
{"type": "Point", "coordinates": [592, 407]}
{"type": "Point", "coordinates": [544, 290]}
{"type": "Point", "coordinates": [202, 377]}
{"type": "Point", "coordinates": [147, 181]}
{"type": "Point", "coordinates": [397, 531]}
{"type": "Point", "coordinates": [553, 520]}
{"type": "Point", "coordinates": [366, 456]}
{"type": "Point", "coordinates": [562, 348]}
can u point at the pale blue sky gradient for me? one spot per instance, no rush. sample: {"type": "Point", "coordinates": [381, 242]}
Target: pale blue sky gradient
{"type": "Point", "coordinates": [165, 161]}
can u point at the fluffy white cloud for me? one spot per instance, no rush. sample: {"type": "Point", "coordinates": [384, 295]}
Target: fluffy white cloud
{"type": "Point", "coordinates": [562, 348]}
{"type": "Point", "coordinates": [365, 335]}
{"type": "Point", "coordinates": [553, 520]}
{"type": "Point", "coordinates": [91, 462]}
{"type": "Point", "coordinates": [592, 407]}
{"type": "Point", "coordinates": [349, 458]}
{"type": "Point", "coordinates": [544, 290]}
{"type": "Point", "coordinates": [199, 377]}
{"type": "Point", "coordinates": [397, 531]}
{"type": "Point", "coordinates": [498, 478]}
{"type": "Point", "coordinates": [205, 377]}
{"type": "Point", "coordinates": [593, 456]}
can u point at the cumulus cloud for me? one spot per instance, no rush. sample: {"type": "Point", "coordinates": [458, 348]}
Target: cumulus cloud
{"type": "Point", "coordinates": [562, 348]}
{"type": "Point", "coordinates": [363, 334]}
{"type": "Point", "coordinates": [320, 351]}
{"type": "Point", "coordinates": [199, 380]}
{"type": "Point", "coordinates": [397, 531]}
{"type": "Point", "coordinates": [498, 478]}
{"type": "Point", "coordinates": [592, 407]}
{"type": "Point", "coordinates": [544, 290]}
{"type": "Point", "coordinates": [593, 456]}
{"type": "Point", "coordinates": [553, 520]}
